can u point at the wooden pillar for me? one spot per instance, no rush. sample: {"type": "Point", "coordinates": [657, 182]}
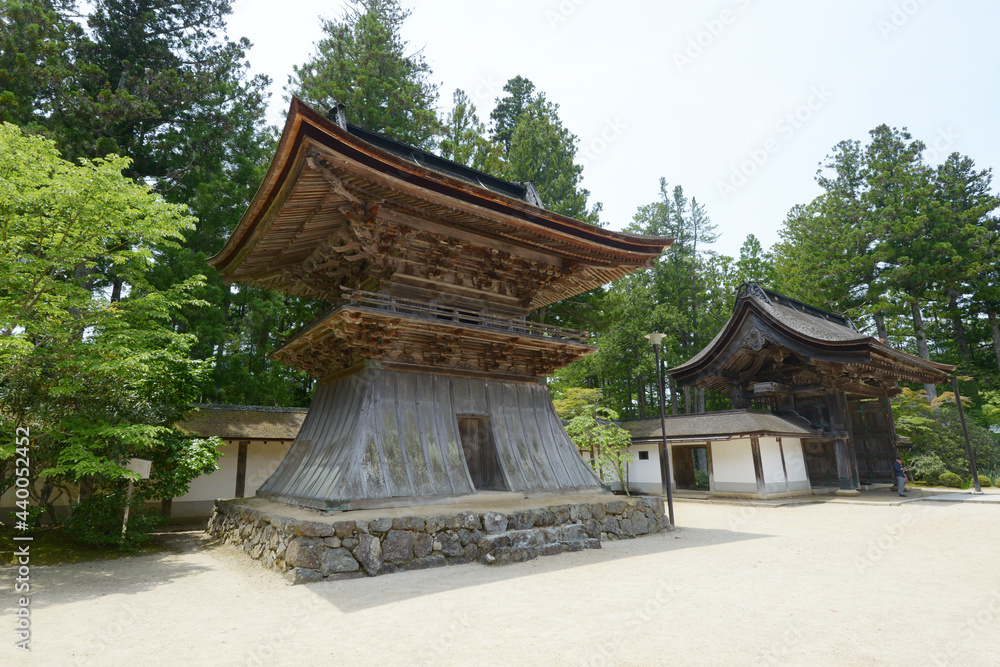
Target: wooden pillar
{"type": "Point", "coordinates": [241, 469]}
{"type": "Point", "coordinates": [784, 468]}
{"type": "Point", "coordinates": [846, 471]}
{"type": "Point", "coordinates": [887, 402]}
{"type": "Point", "coordinates": [852, 441]}
{"type": "Point", "coordinates": [758, 467]}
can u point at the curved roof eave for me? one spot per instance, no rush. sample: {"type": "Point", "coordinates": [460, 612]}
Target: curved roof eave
{"type": "Point", "coordinates": [707, 356]}
{"type": "Point", "coordinates": [304, 123]}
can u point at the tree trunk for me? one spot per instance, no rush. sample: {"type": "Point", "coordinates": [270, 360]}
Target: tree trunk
{"type": "Point", "coordinates": [701, 399]}
{"type": "Point", "coordinates": [958, 328]}
{"type": "Point", "coordinates": [995, 332]}
{"type": "Point", "coordinates": [918, 331]}
{"type": "Point", "coordinates": [640, 391]}
{"type": "Point", "coordinates": [673, 389]}
{"type": "Point", "coordinates": [880, 325]}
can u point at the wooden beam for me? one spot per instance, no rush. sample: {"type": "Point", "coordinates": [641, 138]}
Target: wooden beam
{"type": "Point", "coordinates": [758, 467]}
{"type": "Point", "coordinates": [241, 468]}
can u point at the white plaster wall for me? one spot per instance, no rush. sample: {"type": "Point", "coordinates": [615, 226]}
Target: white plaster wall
{"type": "Point", "coordinates": [644, 472]}
{"type": "Point", "coordinates": [732, 463]}
{"type": "Point", "coordinates": [219, 484]}
{"type": "Point", "coordinates": [262, 460]}
{"type": "Point", "coordinates": [795, 463]}
{"type": "Point", "coordinates": [643, 476]}
{"type": "Point", "coordinates": [770, 460]}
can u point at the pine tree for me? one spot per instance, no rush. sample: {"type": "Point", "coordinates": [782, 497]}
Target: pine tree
{"type": "Point", "coordinates": [364, 63]}
{"type": "Point", "coordinates": [538, 149]}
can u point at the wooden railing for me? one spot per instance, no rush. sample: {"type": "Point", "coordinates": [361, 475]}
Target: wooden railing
{"type": "Point", "coordinates": [433, 311]}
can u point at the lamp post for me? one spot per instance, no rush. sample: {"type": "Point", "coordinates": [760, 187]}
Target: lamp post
{"type": "Point", "coordinates": [655, 339]}
{"type": "Point", "coordinates": [965, 431]}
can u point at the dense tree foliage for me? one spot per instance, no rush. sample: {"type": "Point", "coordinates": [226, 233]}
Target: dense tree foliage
{"type": "Point", "coordinates": [687, 295]}
{"type": "Point", "coordinates": [363, 63]}
{"type": "Point", "coordinates": [96, 380]}
{"type": "Point", "coordinates": [907, 249]}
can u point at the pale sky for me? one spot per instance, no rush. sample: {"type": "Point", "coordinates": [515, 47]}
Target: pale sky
{"type": "Point", "coordinates": [736, 100]}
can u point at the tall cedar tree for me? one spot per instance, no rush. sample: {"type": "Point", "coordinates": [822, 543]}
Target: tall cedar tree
{"type": "Point", "coordinates": [364, 63]}
{"type": "Point", "coordinates": [687, 295]}
{"type": "Point", "coordinates": [160, 82]}
{"type": "Point", "coordinates": [905, 248]}
{"type": "Point", "coordinates": [537, 148]}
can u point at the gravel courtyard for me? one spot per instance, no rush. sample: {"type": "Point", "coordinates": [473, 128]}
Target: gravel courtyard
{"type": "Point", "coordinates": [830, 583]}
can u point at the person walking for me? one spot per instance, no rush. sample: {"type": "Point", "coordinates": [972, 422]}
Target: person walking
{"type": "Point", "coordinates": [899, 472]}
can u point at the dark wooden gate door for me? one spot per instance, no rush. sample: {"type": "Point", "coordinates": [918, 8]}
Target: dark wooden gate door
{"type": "Point", "coordinates": [480, 453]}
{"type": "Point", "coordinates": [684, 467]}
{"type": "Point", "coordinates": [873, 441]}
{"type": "Point", "coordinates": [821, 463]}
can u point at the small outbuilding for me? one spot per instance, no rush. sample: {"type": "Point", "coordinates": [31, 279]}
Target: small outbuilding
{"type": "Point", "coordinates": [733, 452]}
{"type": "Point", "coordinates": [256, 440]}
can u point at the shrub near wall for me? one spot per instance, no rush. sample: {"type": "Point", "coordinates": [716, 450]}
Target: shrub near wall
{"type": "Point", "coordinates": [950, 479]}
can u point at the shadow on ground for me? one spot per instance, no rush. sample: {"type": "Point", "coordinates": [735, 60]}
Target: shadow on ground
{"type": "Point", "coordinates": [360, 594]}
{"type": "Point", "coordinates": [58, 584]}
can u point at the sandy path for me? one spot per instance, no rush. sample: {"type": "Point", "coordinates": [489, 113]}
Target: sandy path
{"type": "Point", "coordinates": [813, 584]}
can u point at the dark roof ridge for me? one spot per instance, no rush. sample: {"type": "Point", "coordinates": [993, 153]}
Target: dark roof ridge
{"type": "Point", "coordinates": [523, 191]}
{"type": "Point", "coordinates": [749, 289]}
{"type": "Point", "coordinates": [690, 415]}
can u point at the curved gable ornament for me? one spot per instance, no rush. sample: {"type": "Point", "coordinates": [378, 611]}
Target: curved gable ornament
{"type": "Point", "coordinates": [755, 340]}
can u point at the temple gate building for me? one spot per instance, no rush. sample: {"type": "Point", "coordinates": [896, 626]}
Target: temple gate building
{"type": "Point", "coordinates": [817, 372]}
{"type": "Point", "coordinates": [429, 369]}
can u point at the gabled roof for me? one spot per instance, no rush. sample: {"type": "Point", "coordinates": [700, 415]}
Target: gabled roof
{"type": "Point", "coordinates": [718, 425]}
{"type": "Point", "coordinates": [241, 422]}
{"type": "Point", "coordinates": [762, 317]}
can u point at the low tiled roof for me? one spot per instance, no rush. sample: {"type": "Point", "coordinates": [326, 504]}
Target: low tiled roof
{"type": "Point", "coordinates": [707, 425]}
{"type": "Point", "coordinates": [244, 422]}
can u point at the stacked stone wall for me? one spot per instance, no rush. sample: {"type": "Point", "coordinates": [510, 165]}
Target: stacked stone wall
{"type": "Point", "coordinates": [307, 551]}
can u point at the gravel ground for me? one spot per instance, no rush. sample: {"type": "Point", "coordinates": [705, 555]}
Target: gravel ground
{"type": "Point", "coordinates": [831, 583]}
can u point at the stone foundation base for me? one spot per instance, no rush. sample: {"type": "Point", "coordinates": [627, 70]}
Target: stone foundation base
{"type": "Point", "coordinates": [335, 547]}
